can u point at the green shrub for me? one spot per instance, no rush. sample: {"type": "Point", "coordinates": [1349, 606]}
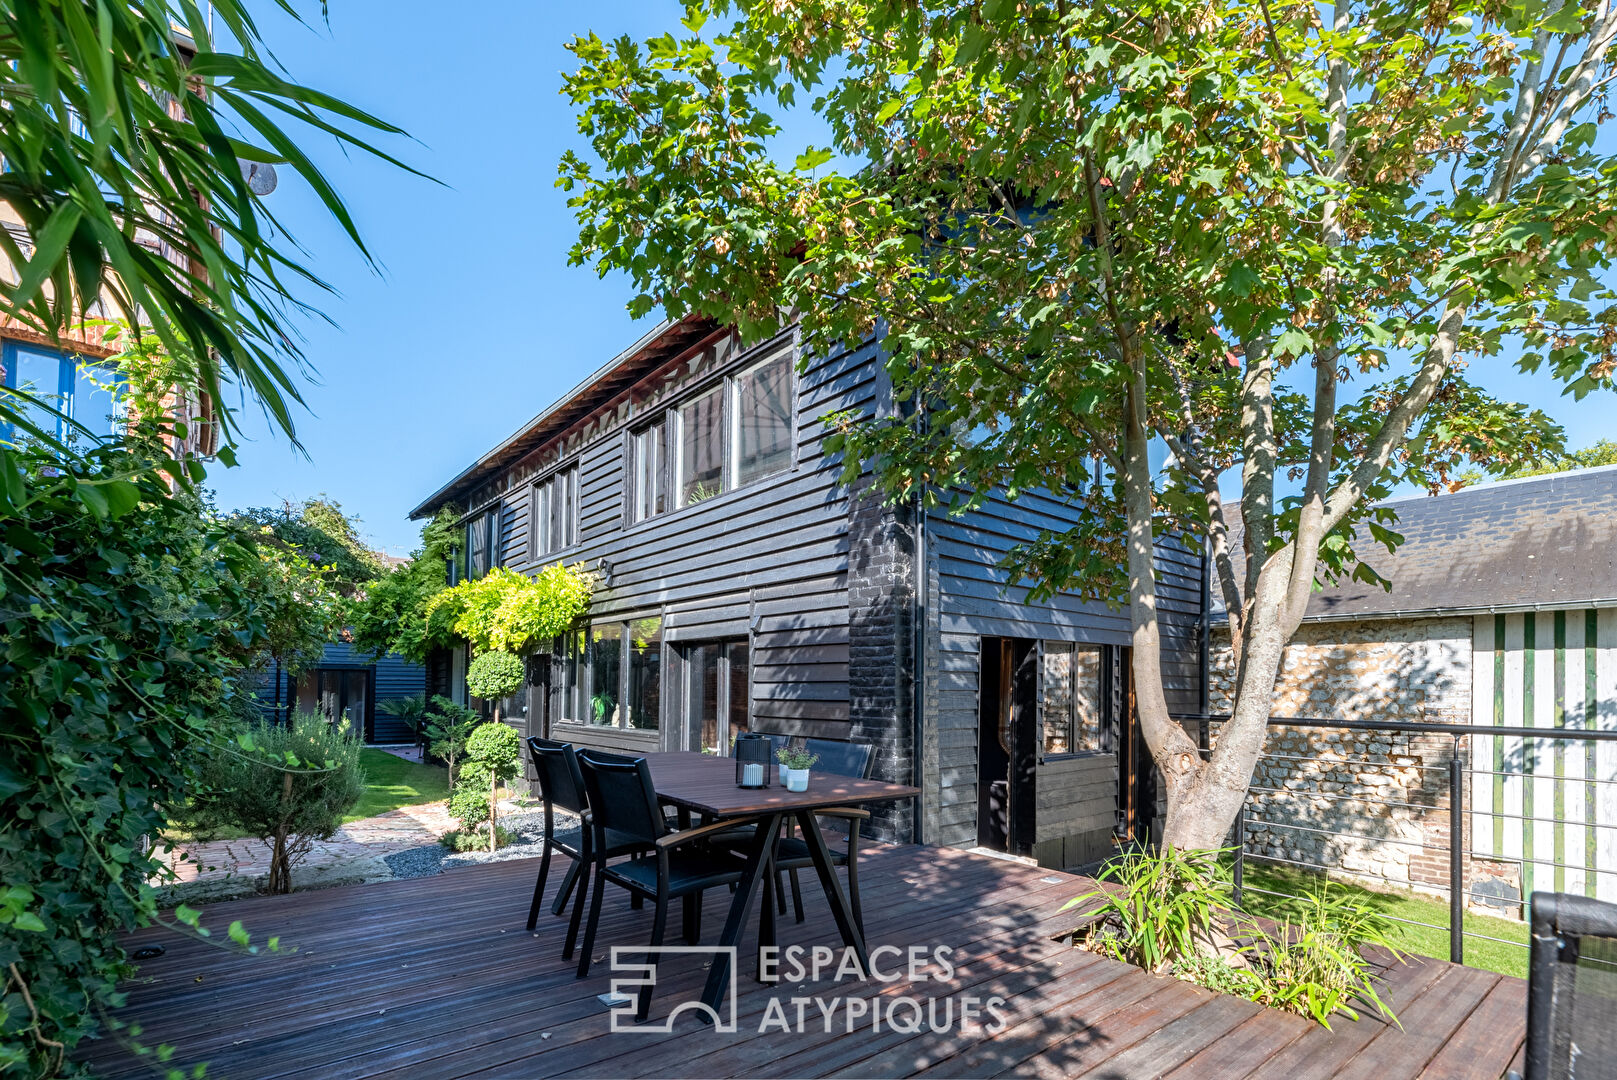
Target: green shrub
{"type": "Point", "coordinates": [1162, 910]}
{"type": "Point", "coordinates": [412, 711]}
{"type": "Point", "coordinates": [1219, 974]}
{"type": "Point", "coordinates": [122, 632]}
{"type": "Point", "coordinates": [495, 675]}
{"type": "Point", "coordinates": [448, 727]}
{"type": "Point", "coordinates": [1314, 964]}
{"type": "Point", "coordinates": [290, 789]}
{"type": "Point", "coordinates": [468, 804]}
{"type": "Point", "coordinates": [461, 841]}
{"type": "Point", "coordinates": [493, 755]}
{"type": "Point", "coordinates": [1171, 911]}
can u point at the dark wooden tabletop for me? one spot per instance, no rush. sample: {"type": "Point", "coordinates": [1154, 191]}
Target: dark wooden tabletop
{"type": "Point", "coordinates": [706, 784]}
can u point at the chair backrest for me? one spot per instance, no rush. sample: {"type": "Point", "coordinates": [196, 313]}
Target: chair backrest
{"type": "Point", "coordinates": [622, 800]}
{"type": "Point", "coordinates": [842, 758]}
{"type": "Point", "coordinates": [1571, 986]}
{"type": "Point", "coordinates": [560, 782]}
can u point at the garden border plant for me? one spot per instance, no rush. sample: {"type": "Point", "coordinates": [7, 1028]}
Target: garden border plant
{"type": "Point", "coordinates": [1173, 912]}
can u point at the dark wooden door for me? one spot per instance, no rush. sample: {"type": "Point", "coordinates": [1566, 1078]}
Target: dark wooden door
{"type": "Point", "coordinates": [1007, 748]}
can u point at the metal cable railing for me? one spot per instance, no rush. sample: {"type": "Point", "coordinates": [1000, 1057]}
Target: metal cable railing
{"type": "Point", "coordinates": [1264, 814]}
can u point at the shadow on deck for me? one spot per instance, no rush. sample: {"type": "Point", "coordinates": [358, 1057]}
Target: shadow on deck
{"type": "Point", "coordinates": [436, 977]}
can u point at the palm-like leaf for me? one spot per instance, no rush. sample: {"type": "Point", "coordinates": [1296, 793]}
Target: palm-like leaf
{"type": "Point", "coordinates": [123, 136]}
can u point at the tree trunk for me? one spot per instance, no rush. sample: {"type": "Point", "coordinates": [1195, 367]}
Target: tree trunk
{"type": "Point", "coordinates": [494, 798]}
{"type": "Point", "coordinates": [493, 813]}
{"type": "Point", "coordinates": [280, 875]}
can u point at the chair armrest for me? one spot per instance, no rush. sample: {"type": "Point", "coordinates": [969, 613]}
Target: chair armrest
{"type": "Point", "coordinates": [847, 813]}
{"type": "Point", "coordinates": [685, 836]}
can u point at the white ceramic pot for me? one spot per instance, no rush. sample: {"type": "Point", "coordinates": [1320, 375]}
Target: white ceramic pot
{"type": "Point", "coordinates": [796, 779]}
{"type": "Point", "coordinates": [780, 775]}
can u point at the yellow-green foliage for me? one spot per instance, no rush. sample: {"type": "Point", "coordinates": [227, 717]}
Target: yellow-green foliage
{"type": "Point", "coordinates": [509, 612]}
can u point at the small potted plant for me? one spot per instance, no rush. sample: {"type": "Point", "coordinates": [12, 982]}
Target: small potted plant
{"type": "Point", "coordinates": [795, 766]}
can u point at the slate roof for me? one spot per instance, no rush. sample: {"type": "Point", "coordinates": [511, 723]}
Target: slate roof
{"type": "Point", "coordinates": [1540, 542]}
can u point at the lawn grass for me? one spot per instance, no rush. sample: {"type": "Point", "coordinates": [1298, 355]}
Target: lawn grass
{"type": "Point", "coordinates": [392, 782]}
{"type": "Point", "coordinates": [1421, 940]}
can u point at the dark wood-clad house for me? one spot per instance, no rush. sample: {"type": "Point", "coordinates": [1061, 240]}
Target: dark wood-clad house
{"type": "Point", "coordinates": [740, 586]}
{"type": "Point", "coordinates": [347, 683]}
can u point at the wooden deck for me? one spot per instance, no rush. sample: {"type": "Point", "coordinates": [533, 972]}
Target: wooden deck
{"type": "Point", "coordinates": [436, 977]}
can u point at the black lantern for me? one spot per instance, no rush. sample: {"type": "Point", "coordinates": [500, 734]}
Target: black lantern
{"type": "Point", "coordinates": [752, 761]}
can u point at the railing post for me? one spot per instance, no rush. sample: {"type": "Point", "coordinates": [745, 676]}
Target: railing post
{"type": "Point", "coordinates": [1456, 857]}
{"type": "Point", "coordinates": [1240, 851]}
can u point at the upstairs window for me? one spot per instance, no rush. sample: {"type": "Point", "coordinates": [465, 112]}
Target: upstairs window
{"type": "Point", "coordinates": [763, 425]}
{"type": "Point", "coordinates": [482, 539]}
{"type": "Point", "coordinates": [554, 523]}
{"type": "Point", "coordinates": [731, 435]}
{"type": "Point", "coordinates": [650, 453]}
{"type": "Point", "coordinates": [701, 448]}
{"type": "Point", "coordinates": [65, 383]}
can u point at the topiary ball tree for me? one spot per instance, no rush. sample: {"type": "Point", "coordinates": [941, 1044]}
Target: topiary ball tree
{"type": "Point", "coordinates": [493, 751]}
{"type": "Point", "coordinates": [495, 675]}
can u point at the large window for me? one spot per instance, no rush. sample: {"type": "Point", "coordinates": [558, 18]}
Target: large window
{"type": "Point", "coordinates": [650, 470]}
{"type": "Point", "coordinates": [1074, 698]}
{"type": "Point", "coordinates": [482, 542]}
{"type": "Point", "coordinates": [716, 693]}
{"type": "Point", "coordinates": [611, 675]}
{"type": "Point", "coordinates": [763, 425]}
{"type": "Point", "coordinates": [701, 448]}
{"type": "Point", "coordinates": [645, 673]}
{"type": "Point", "coordinates": [606, 672]}
{"type": "Point", "coordinates": [729, 436]}
{"type": "Point", "coordinates": [554, 523]}
{"type": "Point", "coordinates": [69, 385]}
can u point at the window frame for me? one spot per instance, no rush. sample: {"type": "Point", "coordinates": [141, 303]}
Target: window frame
{"type": "Point", "coordinates": [733, 418]}
{"type": "Point", "coordinates": [1107, 720]}
{"type": "Point", "coordinates": [670, 416]}
{"type": "Point", "coordinates": [68, 366]}
{"type": "Point", "coordinates": [723, 700]}
{"type": "Point", "coordinates": [542, 512]}
{"type": "Point", "coordinates": [584, 683]}
{"type": "Point", "coordinates": [487, 518]}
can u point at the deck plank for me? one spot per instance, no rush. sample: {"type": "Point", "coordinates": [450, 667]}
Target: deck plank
{"type": "Point", "coordinates": [436, 979]}
{"type": "Point", "coordinates": [1487, 1043]}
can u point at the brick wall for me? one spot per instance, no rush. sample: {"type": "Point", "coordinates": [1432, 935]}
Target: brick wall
{"type": "Point", "coordinates": [881, 586]}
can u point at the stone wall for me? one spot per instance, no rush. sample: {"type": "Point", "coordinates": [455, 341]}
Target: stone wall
{"type": "Point", "coordinates": [1369, 804]}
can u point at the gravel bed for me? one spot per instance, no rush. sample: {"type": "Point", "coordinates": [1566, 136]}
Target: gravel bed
{"type": "Point", "coordinates": [423, 861]}
{"type": "Point", "coordinates": [431, 859]}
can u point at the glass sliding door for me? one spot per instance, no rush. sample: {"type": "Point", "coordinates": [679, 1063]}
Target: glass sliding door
{"type": "Point", "coordinates": [645, 673]}
{"type": "Point", "coordinates": [717, 693]}
{"type": "Point", "coordinates": [341, 695]}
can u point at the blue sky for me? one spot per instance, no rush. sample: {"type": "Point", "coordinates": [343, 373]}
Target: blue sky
{"type": "Point", "coordinates": [476, 322]}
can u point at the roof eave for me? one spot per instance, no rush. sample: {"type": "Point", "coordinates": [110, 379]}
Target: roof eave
{"type": "Point", "coordinates": [463, 479]}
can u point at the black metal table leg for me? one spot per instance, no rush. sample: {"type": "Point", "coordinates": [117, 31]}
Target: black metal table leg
{"type": "Point", "coordinates": [758, 860]}
{"type": "Point", "coordinates": [838, 900]}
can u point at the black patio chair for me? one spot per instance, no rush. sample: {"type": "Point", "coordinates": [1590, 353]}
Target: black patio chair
{"type": "Point", "coordinates": [792, 853]}
{"type": "Point", "coordinates": [1572, 988]}
{"type": "Point", "coordinates": [662, 865]}
{"type": "Point", "coordinates": [561, 785]}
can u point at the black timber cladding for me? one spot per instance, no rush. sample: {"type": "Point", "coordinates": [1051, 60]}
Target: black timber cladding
{"type": "Point", "coordinates": [767, 561]}
{"type": "Point", "coordinates": [821, 586]}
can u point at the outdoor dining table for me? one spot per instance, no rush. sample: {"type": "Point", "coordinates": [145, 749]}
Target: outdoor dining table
{"type": "Point", "coordinates": [704, 784]}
